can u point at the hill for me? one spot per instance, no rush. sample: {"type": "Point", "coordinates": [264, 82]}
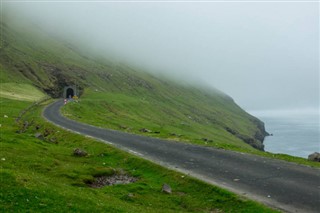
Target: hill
{"type": "Point", "coordinates": [122, 97]}
{"type": "Point", "coordinates": [39, 171]}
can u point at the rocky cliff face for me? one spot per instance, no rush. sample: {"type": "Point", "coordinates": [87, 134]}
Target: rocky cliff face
{"type": "Point", "coordinates": [257, 139]}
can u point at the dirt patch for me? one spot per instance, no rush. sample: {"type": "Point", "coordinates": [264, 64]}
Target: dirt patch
{"type": "Point", "coordinates": [111, 180]}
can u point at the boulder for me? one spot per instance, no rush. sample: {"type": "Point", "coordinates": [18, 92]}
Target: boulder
{"type": "Point", "coordinates": [314, 157]}
{"type": "Point", "coordinates": [80, 153]}
{"type": "Point", "coordinates": [39, 136]}
{"type": "Point", "coordinates": [145, 130]}
{"type": "Point", "coordinates": [166, 189]}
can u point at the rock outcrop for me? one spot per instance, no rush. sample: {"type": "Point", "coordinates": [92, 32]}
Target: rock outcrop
{"type": "Point", "coordinates": [314, 157]}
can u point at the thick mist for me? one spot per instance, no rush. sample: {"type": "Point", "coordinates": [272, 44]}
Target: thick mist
{"type": "Point", "coordinates": [263, 54]}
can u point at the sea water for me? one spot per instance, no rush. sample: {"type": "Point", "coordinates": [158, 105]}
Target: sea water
{"type": "Point", "coordinates": [294, 132]}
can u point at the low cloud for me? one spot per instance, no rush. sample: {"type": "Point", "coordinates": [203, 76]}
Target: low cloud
{"type": "Point", "coordinates": [265, 55]}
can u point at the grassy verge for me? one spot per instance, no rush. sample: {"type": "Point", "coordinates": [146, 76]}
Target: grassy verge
{"type": "Point", "coordinates": [164, 120]}
{"type": "Point", "coordinates": [43, 175]}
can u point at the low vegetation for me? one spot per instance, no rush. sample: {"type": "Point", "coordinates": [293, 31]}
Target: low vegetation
{"type": "Point", "coordinates": [17, 91]}
{"type": "Point", "coordinates": [39, 172]}
{"type": "Point", "coordinates": [165, 117]}
{"type": "Point", "coordinates": [150, 117]}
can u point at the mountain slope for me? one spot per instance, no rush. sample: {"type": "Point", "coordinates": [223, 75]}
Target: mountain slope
{"type": "Point", "coordinates": [120, 97]}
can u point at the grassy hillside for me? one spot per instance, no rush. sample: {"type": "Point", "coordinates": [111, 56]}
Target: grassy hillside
{"type": "Point", "coordinates": [124, 98]}
{"type": "Point", "coordinates": [42, 174]}
{"type": "Point", "coordinates": [25, 92]}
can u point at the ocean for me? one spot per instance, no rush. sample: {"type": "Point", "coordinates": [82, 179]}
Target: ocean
{"type": "Point", "coordinates": [295, 132]}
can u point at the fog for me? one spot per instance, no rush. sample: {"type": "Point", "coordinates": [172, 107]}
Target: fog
{"type": "Point", "coordinates": [263, 54]}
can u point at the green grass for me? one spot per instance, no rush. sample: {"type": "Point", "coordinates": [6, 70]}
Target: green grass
{"type": "Point", "coordinates": [41, 176]}
{"type": "Point", "coordinates": [132, 113]}
{"type": "Point", "coordinates": [17, 91]}
{"type": "Point", "coordinates": [171, 117]}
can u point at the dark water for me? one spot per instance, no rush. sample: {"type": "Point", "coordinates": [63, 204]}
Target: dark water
{"type": "Point", "coordinates": [294, 132]}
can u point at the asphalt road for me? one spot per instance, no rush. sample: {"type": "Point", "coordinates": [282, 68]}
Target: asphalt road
{"type": "Point", "coordinates": [282, 185]}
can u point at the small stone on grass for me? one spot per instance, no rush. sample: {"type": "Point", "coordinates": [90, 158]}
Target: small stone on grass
{"type": "Point", "coordinates": [80, 153]}
{"type": "Point", "coordinates": [166, 189]}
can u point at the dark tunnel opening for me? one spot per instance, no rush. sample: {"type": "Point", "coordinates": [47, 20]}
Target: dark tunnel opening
{"type": "Point", "coordinates": [69, 93]}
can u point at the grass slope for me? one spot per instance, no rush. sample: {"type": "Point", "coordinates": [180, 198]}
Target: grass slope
{"type": "Point", "coordinates": [170, 117]}
{"type": "Point", "coordinates": [138, 100]}
{"type": "Point", "coordinates": [130, 114]}
{"type": "Point", "coordinates": [43, 176]}
{"type": "Point", "coordinates": [17, 91]}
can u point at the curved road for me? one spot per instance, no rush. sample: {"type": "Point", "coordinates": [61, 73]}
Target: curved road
{"type": "Point", "coordinates": [282, 185]}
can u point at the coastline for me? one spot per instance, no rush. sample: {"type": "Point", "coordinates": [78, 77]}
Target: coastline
{"type": "Point", "coordinates": [292, 132]}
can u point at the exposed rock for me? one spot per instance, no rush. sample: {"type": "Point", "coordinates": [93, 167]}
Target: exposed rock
{"type": "Point", "coordinates": [59, 78]}
{"type": "Point", "coordinates": [80, 153]}
{"type": "Point", "coordinates": [175, 135]}
{"type": "Point", "coordinates": [231, 131]}
{"type": "Point", "coordinates": [112, 180]}
{"type": "Point", "coordinates": [53, 140]}
{"type": "Point", "coordinates": [314, 157]}
{"type": "Point", "coordinates": [254, 143]}
{"type": "Point", "coordinates": [166, 189]}
{"type": "Point", "coordinates": [207, 140]}
{"type": "Point", "coordinates": [123, 127]}
{"type": "Point", "coordinates": [257, 140]}
{"type": "Point", "coordinates": [24, 127]}
{"type": "Point", "coordinates": [39, 136]}
{"type": "Point", "coordinates": [47, 132]}
{"type": "Point", "coordinates": [145, 130]}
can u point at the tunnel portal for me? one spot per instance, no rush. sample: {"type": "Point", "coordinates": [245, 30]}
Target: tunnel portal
{"type": "Point", "coordinates": [70, 91]}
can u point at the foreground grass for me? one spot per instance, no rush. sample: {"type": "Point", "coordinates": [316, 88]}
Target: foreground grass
{"type": "Point", "coordinates": [43, 175]}
{"type": "Point", "coordinates": [132, 113]}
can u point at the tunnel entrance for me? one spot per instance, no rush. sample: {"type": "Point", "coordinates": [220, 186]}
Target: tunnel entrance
{"type": "Point", "coordinates": [69, 93]}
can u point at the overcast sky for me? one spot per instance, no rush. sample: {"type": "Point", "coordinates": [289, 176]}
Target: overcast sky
{"type": "Point", "coordinates": [263, 54]}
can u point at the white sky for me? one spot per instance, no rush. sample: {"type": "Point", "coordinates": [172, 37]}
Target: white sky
{"type": "Point", "coordinates": [263, 54]}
